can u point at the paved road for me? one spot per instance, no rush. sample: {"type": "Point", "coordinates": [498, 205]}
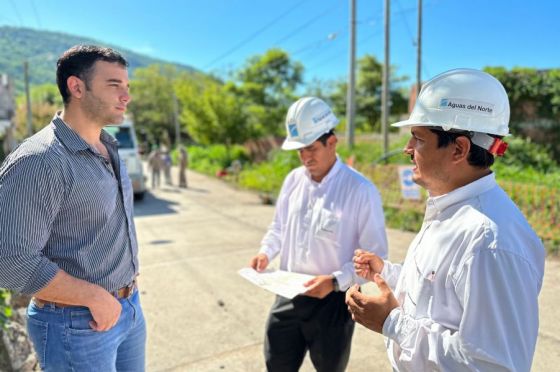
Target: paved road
{"type": "Point", "coordinates": [203, 317]}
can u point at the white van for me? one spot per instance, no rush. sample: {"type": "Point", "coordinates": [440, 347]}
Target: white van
{"type": "Point", "coordinates": [128, 151]}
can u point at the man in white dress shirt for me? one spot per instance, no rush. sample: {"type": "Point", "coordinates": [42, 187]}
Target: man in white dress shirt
{"type": "Point", "coordinates": [466, 296]}
{"type": "Point", "coordinates": [325, 210]}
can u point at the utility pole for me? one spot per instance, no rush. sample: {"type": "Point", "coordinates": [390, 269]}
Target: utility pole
{"type": "Point", "coordinates": [28, 99]}
{"type": "Point", "coordinates": [350, 104]}
{"type": "Point", "coordinates": [419, 51]}
{"type": "Point", "coordinates": [385, 92]}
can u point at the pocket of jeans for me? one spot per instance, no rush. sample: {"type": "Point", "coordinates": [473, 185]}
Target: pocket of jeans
{"type": "Point", "coordinates": [79, 321]}
{"type": "Point", "coordinates": [38, 332]}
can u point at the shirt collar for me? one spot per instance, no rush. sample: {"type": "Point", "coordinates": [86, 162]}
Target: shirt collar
{"type": "Point", "coordinates": [71, 139]}
{"type": "Point", "coordinates": [332, 172]}
{"type": "Point", "coordinates": [438, 204]}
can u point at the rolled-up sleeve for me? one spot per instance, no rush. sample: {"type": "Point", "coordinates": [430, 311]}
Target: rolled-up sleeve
{"type": "Point", "coordinates": [30, 197]}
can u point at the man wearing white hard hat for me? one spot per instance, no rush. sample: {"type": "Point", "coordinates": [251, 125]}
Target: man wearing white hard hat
{"type": "Point", "coordinates": [325, 210]}
{"type": "Point", "coordinates": [466, 296]}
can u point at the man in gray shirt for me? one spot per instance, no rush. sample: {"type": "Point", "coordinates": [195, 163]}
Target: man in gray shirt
{"type": "Point", "coordinates": [67, 234]}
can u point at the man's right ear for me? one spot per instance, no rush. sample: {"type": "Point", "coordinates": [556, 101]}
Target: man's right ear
{"type": "Point", "coordinates": [332, 140]}
{"type": "Point", "coordinates": [75, 86]}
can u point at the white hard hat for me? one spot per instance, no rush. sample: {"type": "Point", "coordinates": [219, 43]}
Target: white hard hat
{"type": "Point", "coordinates": [308, 119]}
{"type": "Point", "coordinates": [462, 99]}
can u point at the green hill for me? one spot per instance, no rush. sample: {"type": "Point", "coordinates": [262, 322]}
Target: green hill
{"type": "Point", "coordinates": [42, 49]}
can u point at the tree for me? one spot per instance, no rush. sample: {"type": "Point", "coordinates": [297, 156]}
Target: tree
{"type": "Point", "coordinates": [152, 101]}
{"type": "Point", "coordinates": [267, 84]}
{"type": "Point", "coordinates": [45, 102]}
{"type": "Point", "coordinates": [534, 97]}
{"type": "Point", "coordinates": [320, 88]}
{"type": "Point", "coordinates": [368, 94]}
{"type": "Point", "coordinates": [211, 112]}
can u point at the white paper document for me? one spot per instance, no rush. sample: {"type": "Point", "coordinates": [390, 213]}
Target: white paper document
{"type": "Point", "coordinates": [283, 283]}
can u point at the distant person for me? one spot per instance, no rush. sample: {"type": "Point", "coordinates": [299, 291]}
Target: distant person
{"type": "Point", "coordinates": [156, 164]}
{"type": "Point", "coordinates": [466, 296]}
{"type": "Point", "coordinates": [67, 232]}
{"type": "Point", "coordinates": [324, 211]}
{"type": "Point", "coordinates": [183, 164]}
{"type": "Point", "coordinates": [167, 163]}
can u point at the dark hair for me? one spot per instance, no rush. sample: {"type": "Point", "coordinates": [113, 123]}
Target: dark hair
{"type": "Point", "coordinates": [78, 61]}
{"type": "Point", "coordinates": [478, 157]}
{"type": "Point", "coordinates": [323, 139]}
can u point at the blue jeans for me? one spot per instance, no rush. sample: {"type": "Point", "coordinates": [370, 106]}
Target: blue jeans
{"type": "Point", "coordinates": [64, 341]}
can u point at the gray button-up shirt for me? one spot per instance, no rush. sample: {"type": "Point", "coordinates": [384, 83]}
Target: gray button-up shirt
{"type": "Point", "coordinates": [62, 205]}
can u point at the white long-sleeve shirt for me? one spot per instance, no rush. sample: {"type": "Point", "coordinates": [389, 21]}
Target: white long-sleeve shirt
{"type": "Point", "coordinates": [468, 287]}
{"type": "Point", "coordinates": [317, 226]}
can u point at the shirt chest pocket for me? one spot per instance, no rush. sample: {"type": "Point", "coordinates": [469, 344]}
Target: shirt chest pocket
{"type": "Point", "coordinates": [420, 299]}
{"type": "Point", "coordinates": [420, 282]}
{"type": "Point", "coordinates": [328, 225]}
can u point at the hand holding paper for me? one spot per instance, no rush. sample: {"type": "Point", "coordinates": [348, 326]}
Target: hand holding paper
{"type": "Point", "coordinates": [283, 283]}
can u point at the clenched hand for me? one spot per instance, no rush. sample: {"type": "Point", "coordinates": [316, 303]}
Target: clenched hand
{"type": "Point", "coordinates": [371, 311]}
{"type": "Point", "coordinates": [367, 264]}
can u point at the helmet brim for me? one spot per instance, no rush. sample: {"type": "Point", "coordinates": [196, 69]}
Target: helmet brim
{"type": "Point", "coordinates": [414, 123]}
{"type": "Point", "coordinates": [290, 144]}
{"type": "Point", "coordinates": [410, 123]}
{"type": "Point", "coordinates": [293, 145]}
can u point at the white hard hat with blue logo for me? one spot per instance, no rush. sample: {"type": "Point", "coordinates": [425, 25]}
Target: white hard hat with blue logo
{"type": "Point", "coordinates": [308, 119]}
{"type": "Point", "coordinates": [465, 100]}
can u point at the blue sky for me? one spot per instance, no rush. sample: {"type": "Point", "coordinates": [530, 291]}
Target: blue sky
{"type": "Point", "coordinates": [219, 35]}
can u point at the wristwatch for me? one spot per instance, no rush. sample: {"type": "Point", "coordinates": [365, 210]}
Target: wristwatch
{"type": "Point", "coordinates": [336, 287]}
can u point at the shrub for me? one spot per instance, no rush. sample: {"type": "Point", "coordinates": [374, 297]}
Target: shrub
{"type": "Point", "coordinates": [268, 176]}
{"type": "Point", "coordinates": [527, 162]}
{"type": "Point", "coordinates": [5, 309]}
{"type": "Point", "coordinates": [211, 159]}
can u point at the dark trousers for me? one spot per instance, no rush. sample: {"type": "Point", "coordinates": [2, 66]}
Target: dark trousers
{"type": "Point", "coordinates": [322, 326]}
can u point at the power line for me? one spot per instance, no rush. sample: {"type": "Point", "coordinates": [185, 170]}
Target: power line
{"type": "Point", "coordinates": [331, 58]}
{"type": "Point", "coordinates": [254, 35]}
{"type": "Point", "coordinates": [8, 19]}
{"type": "Point", "coordinates": [307, 24]}
{"type": "Point", "coordinates": [339, 54]}
{"type": "Point", "coordinates": [338, 35]}
{"type": "Point", "coordinates": [37, 18]}
{"type": "Point", "coordinates": [331, 38]}
{"type": "Point", "coordinates": [310, 46]}
{"type": "Point", "coordinates": [406, 23]}
{"type": "Point", "coordinates": [424, 67]}
{"type": "Point", "coordinates": [315, 44]}
{"type": "Point", "coordinates": [17, 12]}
